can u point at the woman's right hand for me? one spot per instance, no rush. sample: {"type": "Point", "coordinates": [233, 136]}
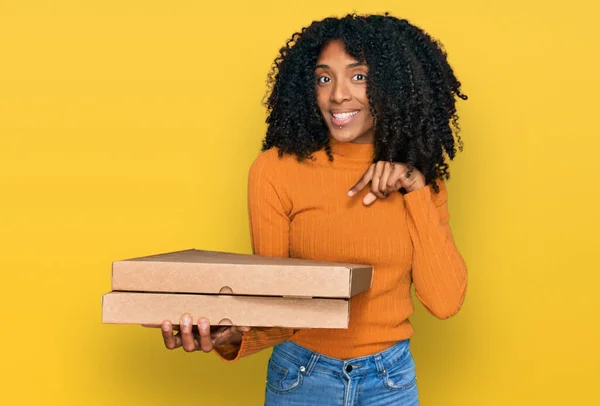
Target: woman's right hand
{"type": "Point", "coordinates": [200, 337]}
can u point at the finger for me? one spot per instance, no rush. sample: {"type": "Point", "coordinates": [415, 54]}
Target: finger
{"type": "Point", "coordinates": [396, 177]}
{"type": "Point", "coordinates": [205, 337]}
{"type": "Point", "coordinates": [377, 179]}
{"type": "Point", "coordinates": [369, 198]}
{"type": "Point", "coordinates": [383, 183]}
{"type": "Point", "coordinates": [410, 177]}
{"type": "Point", "coordinates": [186, 333]}
{"type": "Point", "coordinates": [362, 182]}
{"type": "Point", "coordinates": [233, 330]}
{"type": "Point", "coordinates": [167, 334]}
{"type": "Point", "coordinates": [178, 340]}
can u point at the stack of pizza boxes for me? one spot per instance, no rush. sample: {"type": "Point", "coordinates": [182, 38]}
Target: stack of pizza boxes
{"type": "Point", "coordinates": [233, 289]}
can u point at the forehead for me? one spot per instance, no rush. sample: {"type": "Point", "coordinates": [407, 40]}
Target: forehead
{"type": "Point", "coordinates": [335, 51]}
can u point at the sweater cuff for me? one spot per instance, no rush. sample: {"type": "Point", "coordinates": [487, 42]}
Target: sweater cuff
{"type": "Point", "coordinates": [417, 201]}
{"type": "Point", "coordinates": [253, 341]}
{"type": "Point", "coordinates": [231, 352]}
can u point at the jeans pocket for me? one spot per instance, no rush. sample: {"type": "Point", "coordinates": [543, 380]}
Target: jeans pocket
{"type": "Point", "coordinates": [402, 374]}
{"type": "Point", "coordinates": [283, 375]}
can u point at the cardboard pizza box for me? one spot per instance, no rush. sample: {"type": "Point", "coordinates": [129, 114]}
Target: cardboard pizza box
{"type": "Point", "coordinates": [211, 272]}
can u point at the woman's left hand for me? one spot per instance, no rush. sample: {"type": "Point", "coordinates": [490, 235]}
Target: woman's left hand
{"type": "Point", "coordinates": [387, 177]}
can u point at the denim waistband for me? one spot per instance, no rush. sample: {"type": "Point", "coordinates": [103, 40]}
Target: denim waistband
{"type": "Point", "coordinates": [377, 362]}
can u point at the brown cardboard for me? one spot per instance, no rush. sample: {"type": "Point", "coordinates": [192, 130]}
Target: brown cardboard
{"type": "Point", "coordinates": [211, 272]}
{"type": "Point", "coordinates": [153, 308]}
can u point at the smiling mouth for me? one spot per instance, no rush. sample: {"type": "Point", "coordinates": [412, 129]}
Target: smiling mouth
{"type": "Point", "coordinates": [341, 119]}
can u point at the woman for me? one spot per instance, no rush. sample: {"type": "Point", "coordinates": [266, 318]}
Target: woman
{"type": "Point", "coordinates": [361, 123]}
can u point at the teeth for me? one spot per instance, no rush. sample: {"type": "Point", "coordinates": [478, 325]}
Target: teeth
{"type": "Point", "coordinates": [344, 116]}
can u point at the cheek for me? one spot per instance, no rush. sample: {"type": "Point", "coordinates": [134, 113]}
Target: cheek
{"type": "Point", "coordinates": [361, 96]}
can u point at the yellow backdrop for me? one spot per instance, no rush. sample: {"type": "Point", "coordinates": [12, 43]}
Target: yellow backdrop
{"type": "Point", "coordinates": [127, 128]}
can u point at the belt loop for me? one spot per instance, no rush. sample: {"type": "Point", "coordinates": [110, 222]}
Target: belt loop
{"type": "Point", "coordinates": [311, 363]}
{"type": "Point", "coordinates": [379, 364]}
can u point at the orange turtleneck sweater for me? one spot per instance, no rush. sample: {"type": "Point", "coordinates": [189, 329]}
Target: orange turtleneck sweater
{"type": "Point", "coordinates": [301, 210]}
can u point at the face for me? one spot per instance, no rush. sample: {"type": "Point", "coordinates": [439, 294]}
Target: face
{"type": "Point", "coordinates": [341, 86]}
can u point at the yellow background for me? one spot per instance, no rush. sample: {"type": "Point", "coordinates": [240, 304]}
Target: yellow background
{"type": "Point", "coordinates": [127, 128]}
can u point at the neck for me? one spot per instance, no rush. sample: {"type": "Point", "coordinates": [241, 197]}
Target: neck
{"type": "Point", "coordinates": [363, 151]}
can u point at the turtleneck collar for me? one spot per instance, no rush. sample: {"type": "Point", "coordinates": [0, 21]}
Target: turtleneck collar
{"type": "Point", "coordinates": [351, 150]}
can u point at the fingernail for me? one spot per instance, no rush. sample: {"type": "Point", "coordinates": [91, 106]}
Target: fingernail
{"type": "Point", "coordinates": [350, 193]}
{"type": "Point", "coordinates": [203, 324]}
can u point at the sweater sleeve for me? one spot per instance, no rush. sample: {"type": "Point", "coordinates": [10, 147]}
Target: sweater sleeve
{"type": "Point", "coordinates": [438, 270]}
{"type": "Point", "coordinates": [268, 210]}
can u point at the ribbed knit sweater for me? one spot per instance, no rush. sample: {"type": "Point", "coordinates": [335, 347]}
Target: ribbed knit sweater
{"type": "Point", "coordinates": [302, 210]}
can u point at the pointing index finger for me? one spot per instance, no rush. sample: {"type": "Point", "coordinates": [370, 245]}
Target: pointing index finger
{"type": "Point", "coordinates": [363, 181]}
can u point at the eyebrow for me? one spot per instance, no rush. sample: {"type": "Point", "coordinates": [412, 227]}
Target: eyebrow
{"type": "Point", "coordinates": [352, 65]}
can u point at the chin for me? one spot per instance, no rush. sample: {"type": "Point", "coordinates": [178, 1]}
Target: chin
{"type": "Point", "coordinates": [346, 136]}
{"type": "Point", "coordinates": [342, 138]}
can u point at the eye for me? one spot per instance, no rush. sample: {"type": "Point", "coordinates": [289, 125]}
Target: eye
{"type": "Point", "coordinates": [323, 79]}
{"type": "Point", "coordinates": [359, 77]}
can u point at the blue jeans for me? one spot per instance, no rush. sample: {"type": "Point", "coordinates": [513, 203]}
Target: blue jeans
{"type": "Point", "coordinates": [297, 376]}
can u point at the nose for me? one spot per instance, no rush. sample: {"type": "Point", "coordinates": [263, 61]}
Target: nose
{"type": "Point", "coordinates": [340, 92]}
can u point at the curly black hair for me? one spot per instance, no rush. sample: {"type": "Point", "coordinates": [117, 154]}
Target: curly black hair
{"type": "Point", "coordinates": [410, 86]}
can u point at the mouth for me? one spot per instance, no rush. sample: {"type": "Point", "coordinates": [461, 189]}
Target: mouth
{"type": "Point", "coordinates": [342, 119]}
